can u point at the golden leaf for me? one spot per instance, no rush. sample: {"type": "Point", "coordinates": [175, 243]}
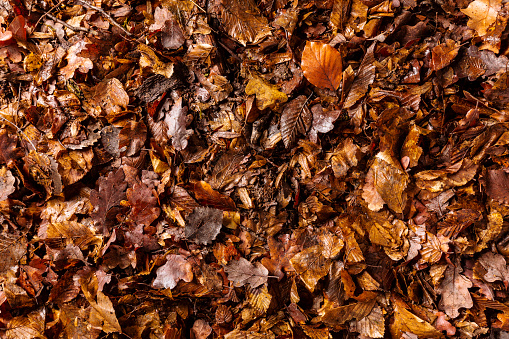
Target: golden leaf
{"type": "Point", "coordinates": [311, 266]}
{"type": "Point", "coordinates": [259, 298]}
{"type": "Point", "coordinates": [267, 95]}
{"type": "Point", "coordinates": [373, 325]}
{"type": "Point", "coordinates": [482, 14]}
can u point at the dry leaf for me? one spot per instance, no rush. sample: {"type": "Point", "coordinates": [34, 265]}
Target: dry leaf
{"type": "Point", "coordinates": [175, 269]}
{"type": "Point", "coordinates": [311, 266]}
{"type": "Point", "coordinates": [200, 330]}
{"type": "Point", "coordinates": [322, 65]}
{"type": "Point", "coordinates": [203, 225]}
{"type": "Point", "coordinates": [373, 325]}
{"type": "Point", "coordinates": [443, 54]}
{"type": "Point", "coordinates": [176, 120]}
{"type": "Point", "coordinates": [323, 122]}
{"type": "Point", "coordinates": [267, 95]}
{"type": "Point", "coordinates": [454, 292]}
{"type": "Point", "coordinates": [75, 62]}
{"type": "Point", "coordinates": [482, 14]}
{"type": "Point", "coordinates": [365, 77]}
{"type": "Point", "coordinates": [296, 118]}
{"type": "Point", "coordinates": [243, 272]}
{"type": "Point", "coordinates": [7, 181]}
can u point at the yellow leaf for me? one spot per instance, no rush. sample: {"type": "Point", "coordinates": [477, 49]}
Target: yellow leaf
{"type": "Point", "coordinates": [267, 95]}
{"type": "Point", "coordinates": [482, 14]}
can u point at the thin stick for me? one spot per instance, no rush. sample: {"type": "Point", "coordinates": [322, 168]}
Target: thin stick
{"type": "Point", "coordinates": [45, 14]}
{"type": "Point", "coordinates": [104, 14]}
{"type": "Point", "coordinates": [65, 24]}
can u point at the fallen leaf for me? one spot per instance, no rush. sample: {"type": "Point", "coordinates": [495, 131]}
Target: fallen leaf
{"type": "Point", "coordinates": [365, 77]}
{"type": "Point", "coordinates": [323, 122]}
{"type": "Point", "coordinates": [482, 14]}
{"type": "Point", "coordinates": [175, 269]}
{"type": "Point", "coordinates": [454, 292]}
{"type": "Point", "coordinates": [27, 327]}
{"type": "Point", "coordinates": [206, 196]}
{"type": "Point", "coordinates": [296, 118]}
{"type": "Point", "coordinates": [144, 205]}
{"type": "Point", "coordinates": [176, 120]}
{"type": "Point", "coordinates": [200, 330]}
{"type": "Point", "coordinates": [267, 95]}
{"type": "Point", "coordinates": [7, 182]}
{"type": "Point", "coordinates": [75, 62]}
{"type": "Point", "coordinates": [9, 153]}
{"type": "Point", "coordinates": [322, 65]}
{"type": "Point", "coordinates": [111, 191]}
{"type": "Point", "coordinates": [373, 325]}
{"type": "Point", "coordinates": [311, 266]}
{"type": "Point", "coordinates": [443, 54]}
{"type": "Point", "coordinates": [203, 225]}
{"type": "Point", "coordinates": [495, 267]}
{"type": "Point", "coordinates": [243, 272]}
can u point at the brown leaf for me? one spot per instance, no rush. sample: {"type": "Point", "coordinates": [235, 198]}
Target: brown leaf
{"type": "Point", "coordinates": [144, 209]}
{"type": "Point", "coordinates": [243, 272]}
{"type": "Point", "coordinates": [200, 330]}
{"type": "Point", "coordinates": [204, 224]}
{"type": "Point", "coordinates": [280, 255]}
{"type": "Point", "coordinates": [205, 195]}
{"type": "Point", "coordinates": [12, 249]}
{"type": "Point", "coordinates": [132, 137]}
{"type": "Point", "coordinates": [7, 181]}
{"type": "Point", "coordinates": [27, 327]}
{"type": "Point", "coordinates": [497, 186]}
{"type": "Point", "coordinates": [242, 21]}
{"type": "Point", "coordinates": [9, 153]}
{"type": "Point", "coordinates": [175, 269]}
{"type": "Point", "coordinates": [311, 266]}
{"type": "Point", "coordinates": [345, 156]}
{"type": "Point", "coordinates": [74, 165]}
{"type": "Point", "coordinates": [337, 316]}
{"type": "Point", "coordinates": [365, 77]}
{"type": "Point", "coordinates": [407, 322]}
{"type": "Point", "coordinates": [296, 118]}
{"type": "Point", "coordinates": [373, 325]}
{"type": "Point", "coordinates": [495, 267]}
{"type": "Point", "coordinates": [454, 291]}
{"type": "Point", "coordinates": [75, 62]}
{"type": "Point", "coordinates": [443, 54]}
{"type": "Point", "coordinates": [322, 65]}
{"type": "Point", "coordinates": [323, 122]}
{"type": "Point", "coordinates": [111, 192]}
{"type": "Point", "coordinates": [482, 14]}
{"type": "Point", "coordinates": [176, 120]}
{"type": "Point", "coordinates": [172, 36]}
{"type": "Point", "coordinates": [108, 98]}
{"type": "Point", "coordinates": [75, 322]}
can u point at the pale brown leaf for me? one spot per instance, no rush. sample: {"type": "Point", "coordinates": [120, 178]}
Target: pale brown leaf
{"type": "Point", "coordinates": [296, 118]}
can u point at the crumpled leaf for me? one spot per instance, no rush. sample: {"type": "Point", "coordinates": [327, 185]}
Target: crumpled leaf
{"type": "Point", "coordinates": [200, 330]}
{"type": "Point", "coordinates": [7, 181]}
{"type": "Point", "coordinates": [296, 118]}
{"type": "Point", "coordinates": [345, 156]}
{"type": "Point", "coordinates": [108, 98]}
{"type": "Point", "coordinates": [175, 269]}
{"type": "Point", "coordinates": [206, 196]}
{"type": "Point", "coordinates": [242, 21]}
{"type": "Point", "coordinates": [203, 225]}
{"type": "Point", "coordinates": [495, 267]}
{"type": "Point", "coordinates": [323, 122]}
{"type": "Point", "coordinates": [27, 327]}
{"type": "Point", "coordinates": [482, 14]}
{"type": "Point", "coordinates": [74, 165]}
{"type": "Point", "coordinates": [12, 249]}
{"type": "Point", "coordinates": [71, 232]}
{"type": "Point", "coordinates": [267, 95]}
{"type": "Point", "coordinates": [280, 255]}
{"type": "Point", "coordinates": [454, 292]}
{"type": "Point", "coordinates": [373, 325]}
{"type": "Point", "coordinates": [497, 186]}
{"type": "Point", "coordinates": [389, 181]}
{"type": "Point", "coordinates": [111, 191]}
{"type": "Point", "coordinates": [75, 62]}
{"type": "Point", "coordinates": [172, 36]}
{"type": "Point", "coordinates": [144, 209]}
{"type": "Point", "coordinates": [176, 120]}
{"type": "Point", "coordinates": [443, 54]}
{"type": "Point", "coordinates": [243, 272]}
{"type": "Point", "coordinates": [311, 265]}
{"type": "Point", "coordinates": [365, 77]}
{"type": "Point", "coordinates": [407, 322]}
{"type": "Point", "coordinates": [322, 65]}
{"type": "Point", "coordinates": [337, 316]}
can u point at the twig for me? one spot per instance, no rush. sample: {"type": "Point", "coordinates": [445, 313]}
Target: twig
{"type": "Point", "coordinates": [45, 14]}
{"type": "Point", "coordinates": [65, 24]}
{"type": "Point", "coordinates": [104, 14]}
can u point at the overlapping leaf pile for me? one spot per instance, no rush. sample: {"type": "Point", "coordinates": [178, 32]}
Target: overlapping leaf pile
{"type": "Point", "coordinates": [254, 169]}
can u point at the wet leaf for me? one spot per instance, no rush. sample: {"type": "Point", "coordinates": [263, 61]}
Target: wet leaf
{"type": "Point", "coordinates": [144, 205]}
{"type": "Point", "coordinates": [7, 182]}
{"type": "Point", "coordinates": [443, 54]}
{"type": "Point", "coordinates": [176, 120]}
{"type": "Point", "coordinates": [322, 65]}
{"type": "Point", "coordinates": [311, 266]}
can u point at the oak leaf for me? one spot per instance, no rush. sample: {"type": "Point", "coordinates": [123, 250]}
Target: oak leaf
{"type": "Point", "coordinates": [296, 118]}
{"type": "Point", "coordinates": [243, 272]}
{"type": "Point", "coordinates": [109, 194]}
{"type": "Point", "coordinates": [322, 65]}
{"type": "Point", "coordinates": [75, 62]}
{"type": "Point", "coordinates": [144, 209]}
{"type": "Point", "coordinates": [203, 225]}
{"type": "Point", "coordinates": [454, 291]}
{"type": "Point", "coordinates": [482, 14]}
{"type": "Point", "coordinates": [7, 181]}
{"type": "Point", "coordinates": [9, 152]}
{"type": "Point", "coordinates": [175, 269]}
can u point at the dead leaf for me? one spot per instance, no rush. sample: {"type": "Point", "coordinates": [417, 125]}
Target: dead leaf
{"type": "Point", "coordinates": [200, 330]}
{"type": "Point", "coordinates": [7, 181]}
{"type": "Point", "coordinates": [175, 269]}
{"type": "Point", "coordinates": [144, 205]}
{"type": "Point", "coordinates": [322, 65]}
{"type": "Point", "coordinates": [75, 62]}
{"type": "Point", "coordinates": [203, 225]}
{"type": "Point", "coordinates": [495, 267]}
{"type": "Point", "coordinates": [443, 54]}
{"type": "Point", "coordinates": [373, 325]}
{"type": "Point", "coordinates": [9, 153]}
{"type": "Point", "coordinates": [206, 196]}
{"type": "Point", "coordinates": [482, 14]}
{"type": "Point", "coordinates": [296, 118]}
{"type": "Point", "coordinates": [323, 122]}
{"type": "Point", "coordinates": [109, 194]}
{"type": "Point", "coordinates": [176, 120]}
{"type": "Point", "coordinates": [311, 266]}
{"type": "Point", "coordinates": [27, 327]}
{"type": "Point", "coordinates": [267, 95]}
{"type": "Point", "coordinates": [365, 77]}
{"type": "Point", "coordinates": [454, 292]}
{"type": "Point", "coordinates": [243, 272]}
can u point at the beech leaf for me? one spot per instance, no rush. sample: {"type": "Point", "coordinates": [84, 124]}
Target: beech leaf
{"type": "Point", "coordinates": [296, 118]}
{"type": "Point", "coordinates": [322, 65]}
{"type": "Point", "coordinates": [175, 269]}
{"type": "Point", "coordinates": [365, 77]}
{"type": "Point", "coordinates": [482, 14]}
{"type": "Point", "coordinates": [204, 224]}
{"type": "Point", "coordinates": [176, 120]}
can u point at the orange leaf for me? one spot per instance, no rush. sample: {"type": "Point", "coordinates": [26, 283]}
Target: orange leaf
{"type": "Point", "coordinates": [322, 65]}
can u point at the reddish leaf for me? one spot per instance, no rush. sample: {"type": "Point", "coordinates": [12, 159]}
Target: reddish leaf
{"type": "Point", "coordinates": [322, 65]}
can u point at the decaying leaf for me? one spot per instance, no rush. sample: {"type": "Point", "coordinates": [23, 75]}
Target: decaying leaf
{"type": "Point", "coordinates": [204, 224]}
{"type": "Point", "coordinates": [144, 209]}
{"type": "Point", "coordinates": [454, 291]}
{"type": "Point", "coordinates": [296, 118]}
{"type": "Point", "coordinates": [7, 182]}
{"type": "Point", "coordinates": [243, 272]}
{"type": "Point", "coordinates": [443, 54]}
{"type": "Point", "coordinates": [176, 120]}
{"type": "Point", "coordinates": [106, 199]}
{"type": "Point", "coordinates": [267, 95]}
{"type": "Point", "coordinates": [311, 266]}
{"type": "Point", "coordinates": [175, 269]}
{"type": "Point", "coordinates": [323, 121]}
{"type": "Point", "coordinates": [322, 65]}
{"type": "Point", "coordinates": [75, 62]}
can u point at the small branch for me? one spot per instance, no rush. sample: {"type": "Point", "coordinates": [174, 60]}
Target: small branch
{"type": "Point", "coordinates": [66, 25]}
{"type": "Point", "coordinates": [45, 14]}
{"type": "Point", "coordinates": [104, 14]}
